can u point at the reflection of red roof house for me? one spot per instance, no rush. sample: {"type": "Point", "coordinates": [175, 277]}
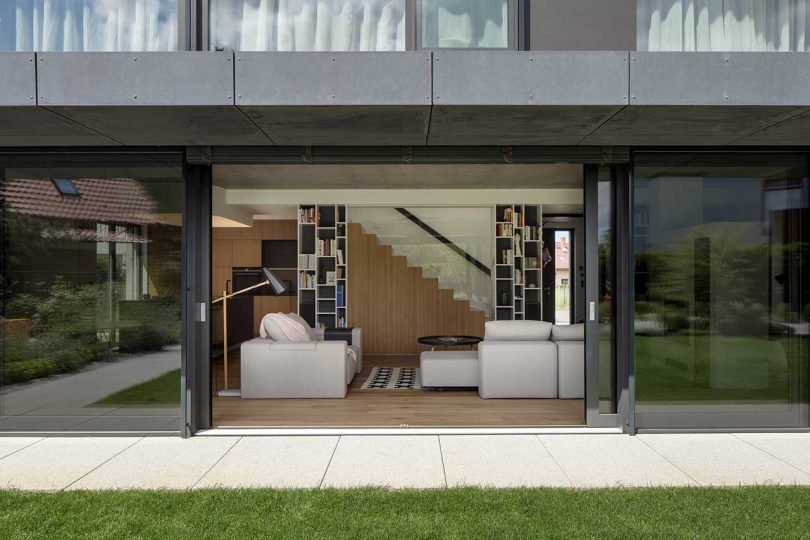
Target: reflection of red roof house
{"type": "Point", "coordinates": [100, 200]}
{"type": "Point", "coordinates": [562, 259]}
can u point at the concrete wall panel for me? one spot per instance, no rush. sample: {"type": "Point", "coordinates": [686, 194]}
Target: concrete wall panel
{"type": "Point", "coordinates": [582, 25]}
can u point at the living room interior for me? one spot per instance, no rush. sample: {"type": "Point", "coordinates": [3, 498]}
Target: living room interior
{"type": "Point", "coordinates": [423, 295]}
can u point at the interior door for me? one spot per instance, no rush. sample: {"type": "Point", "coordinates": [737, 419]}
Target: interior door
{"type": "Point", "coordinates": [549, 271]}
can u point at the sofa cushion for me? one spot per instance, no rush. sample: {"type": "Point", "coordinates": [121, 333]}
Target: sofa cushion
{"type": "Point", "coordinates": [283, 328]}
{"type": "Point", "coordinates": [313, 334]}
{"type": "Point", "coordinates": [517, 331]}
{"type": "Point", "coordinates": [568, 332]}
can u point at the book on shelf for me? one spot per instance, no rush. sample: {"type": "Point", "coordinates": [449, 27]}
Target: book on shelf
{"type": "Point", "coordinates": [306, 280]}
{"type": "Point", "coordinates": [532, 232]}
{"type": "Point", "coordinates": [507, 215]}
{"type": "Point", "coordinates": [518, 277]}
{"type": "Point", "coordinates": [506, 256]}
{"type": "Point", "coordinates": [340, 295]}
{"type": "Point", "coordinates": [326, 247]}
{"type": "Point", "coordinates": [517, 219]}
{"type": "Point", "coordinates": [307, 261]}
{"type": "Point", "coordinates": [339, 273]}
{"type": "Point", "coordinates": [308, 215]}
{"type": "Point", "coordinates": [532, 262]}
{"type": "Point", "coordinates": [504, 229]}
{"type": "Point", "coordinates": [341, 322]}
{"type": "Point", "coordinates": [340, 256]}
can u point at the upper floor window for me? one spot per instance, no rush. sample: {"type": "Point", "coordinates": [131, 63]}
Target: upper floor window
{"type": "Point", "coordinates": [723, 25]}
{"type": "Point", "coordinates": [308, 25]}
{"type": "Point", "coordinates": [467, 24]}
{"type": "Point", "coordinates": [88, 25]}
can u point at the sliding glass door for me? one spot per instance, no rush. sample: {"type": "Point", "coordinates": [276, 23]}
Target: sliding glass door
{"type": "Point", "coordinates": [722, 293]}
{"type": "Point", "coordinates": [91, 324]}
{"type": "Point", "coordinates": [604, 188]}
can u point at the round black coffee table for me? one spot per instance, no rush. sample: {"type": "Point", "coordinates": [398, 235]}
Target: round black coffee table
{"type": "Point", "coordinates": [450, 341]}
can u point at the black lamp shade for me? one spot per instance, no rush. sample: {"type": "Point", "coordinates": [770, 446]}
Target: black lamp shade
{"type": "Point", "coordinates": [276, 284]}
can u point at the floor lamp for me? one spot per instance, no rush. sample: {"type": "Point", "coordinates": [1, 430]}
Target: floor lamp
{"type": "Point", "coordinates": [278, 288]}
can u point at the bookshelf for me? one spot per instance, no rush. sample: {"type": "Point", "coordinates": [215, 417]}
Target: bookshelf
{"type": "Point", "coordinates": [323, 265]}
{"type": "Point", "coordinates": [518, 275]}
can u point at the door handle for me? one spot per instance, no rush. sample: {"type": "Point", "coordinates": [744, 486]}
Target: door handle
{"type": "Point", "coordinates": [592, 309]}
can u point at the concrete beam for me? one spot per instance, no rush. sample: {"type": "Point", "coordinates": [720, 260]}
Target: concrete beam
{"type": "Point", "coordinates": [711, 99]}
{"type": "Point", "coordinates": [527, 98]}
{"type": "Point", "coordinates": [336, 98]}
{"type": "Point", "coordinates": [176, 98]}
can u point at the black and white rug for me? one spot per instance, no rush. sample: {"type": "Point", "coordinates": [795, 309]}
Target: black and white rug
{"type": "Point", "coordinates": [393, 378]}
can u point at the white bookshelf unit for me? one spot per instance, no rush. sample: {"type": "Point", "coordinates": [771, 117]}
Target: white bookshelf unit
{"type": "Point", "coordinates": [518, 262]}
{"type": "Point", "coordinates": [323, 265]}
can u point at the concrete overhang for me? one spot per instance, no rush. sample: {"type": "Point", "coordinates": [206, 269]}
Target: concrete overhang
{"type": "Point", "coordinates": [525, 98]}
{"type": "Point", "coordinates": [22, 122]}
{"type": "Point", "coordinates": [713, 99]}
{"type": "Point", "coordinates": [404, 98]}
{"type": "Point", "coordinates": [369, 98]}
{"type": "Point", "coordinates": [175, 98]}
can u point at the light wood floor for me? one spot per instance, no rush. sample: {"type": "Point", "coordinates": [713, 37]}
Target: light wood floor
{"type": "Point", "coordinates": [375, 408]}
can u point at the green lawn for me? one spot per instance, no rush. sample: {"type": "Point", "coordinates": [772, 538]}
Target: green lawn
{"type": "Point", "coordinates": [761, 512]}
{"type": "Point", "coordinates": [163, 390]}
{"type": "Point", "coordinates": [677, 367]}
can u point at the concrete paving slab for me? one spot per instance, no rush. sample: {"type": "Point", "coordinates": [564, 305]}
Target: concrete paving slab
{"type": "Point", "coordinates": [273, 462]}
{"type": "Point", "coordinates": [723, 459]}
{"type": "Point", "coordinates": [57, 462]}
{"type": "Point", "coordinates": [9, 445]}
{"type": "Point", "coordinates": [397, 461]}
{"type": "Point", "coordinates": [611, 461]}
{"type": "Point", "coordinates": [499, 461]}
{"type": "Point", "coordinates": [159, 462]}
{"type": "Point", "coordinates": [792, 448]}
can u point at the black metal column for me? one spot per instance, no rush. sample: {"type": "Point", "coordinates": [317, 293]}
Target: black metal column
{"type": "Point", "coordinates": [196, 283]}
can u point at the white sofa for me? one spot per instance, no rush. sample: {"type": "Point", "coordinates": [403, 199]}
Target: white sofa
{"type": "Point", "coordinates": [517, 360]}
{"type": "Point", "coordinates": [531, 359]}
{"type": "Point", "coordinates": [311, 369]}
{"type": "Point", "coordinates": [570, 342]}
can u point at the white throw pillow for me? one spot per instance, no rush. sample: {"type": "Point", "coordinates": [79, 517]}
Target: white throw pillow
{"type": "Point", "coordinates": [568, 332]}
{"type": "Point", "coordinates": [272, 327]}
{"type": "Point", "coordinates": [313, 334]}
{"type": "Point", "coordinates": [517, 331]}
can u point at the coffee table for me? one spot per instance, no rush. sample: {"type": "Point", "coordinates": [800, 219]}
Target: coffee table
{"type": "Point", "coordinates": [449, 341]}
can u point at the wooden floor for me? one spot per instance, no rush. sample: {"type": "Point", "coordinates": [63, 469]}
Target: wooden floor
{"type": "Point", "coordinates": [376, 408]}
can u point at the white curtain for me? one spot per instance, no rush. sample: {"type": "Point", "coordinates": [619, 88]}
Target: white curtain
{"type": "Point", "coordinates": [465, 24]}
{"type": "Point", "coordinates": [88, 25]}
{"type": "Point", "coordinates": [723, 25]}
{"type": "Point", "coordinates": [307, 25]}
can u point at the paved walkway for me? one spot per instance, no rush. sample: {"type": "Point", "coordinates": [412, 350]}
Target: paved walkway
{"type": "Point", "coordinates": [420, 461]}
{"type": "Point", "coordinates": [66, 402]}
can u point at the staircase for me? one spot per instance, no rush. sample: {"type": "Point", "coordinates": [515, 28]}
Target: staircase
{"type": "Point", "coordinates": [450, 244]}
{"type": "Point", "coordinates": [394, 303]}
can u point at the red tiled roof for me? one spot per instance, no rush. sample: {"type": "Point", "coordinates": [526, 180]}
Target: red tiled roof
{"type": "Point", "coordinates": [102, 200]}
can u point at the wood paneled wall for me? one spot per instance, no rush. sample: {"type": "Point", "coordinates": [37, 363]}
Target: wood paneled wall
{"type": "Point", "coordinates": [394, 304]}
{"type": "Point", "coordinates": [240, 247]}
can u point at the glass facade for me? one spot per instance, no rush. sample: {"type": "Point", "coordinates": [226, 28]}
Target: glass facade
{"type": "Point", "coordinates": [307, 25]}
{"type": "Point", "coordinates": [720, 25]}
{"type": "Point", "coordinates": [88, 25]}
{"type": "Point", "coordinates": [91, 296]}
{"type": "Point", "coordinates": [722, 292]}
{"type": "Point", "coordinates": [467, 24]}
